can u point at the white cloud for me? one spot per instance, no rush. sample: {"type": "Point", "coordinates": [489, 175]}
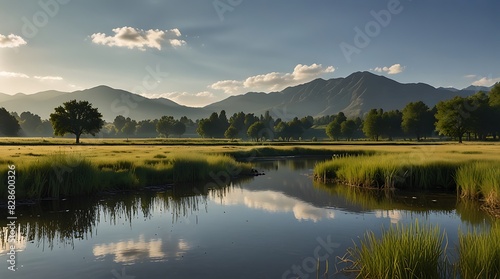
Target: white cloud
{"type": "Point", "coordinates": [486, 81]}
{"type": "Point", "coordinates": [228, 86]}
{"type": "Point", "coordinates": [274, 81]}
{"type": "Point", "coordinates": [198, 99]}
{"type": "Point", "coordinates": [131, 38]}
{"type": "Point", "coordinates": [48, 78]}
{"type": "Point", "coordinates": [13, 75]}
{"type": "Point", "coordinates": [11, 41]}
{"type": "Point", "coordinates": [392, 70]}
{"type": "Point", "coordinates": [470, 76]}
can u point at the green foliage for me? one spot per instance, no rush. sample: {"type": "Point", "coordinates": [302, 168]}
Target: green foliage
{"type": "Point", "coordinates": [480, 180]}
{"type": "Point", "coordinates": [167, 125]}
{"type": "Point", "coordinates": [417, 120]}
{"type": "Point", "coordinates": [411, 251]}
{"type": "Point", "coordinates": [452, 117]}
{"type": "Point", "coordinates": [372, 126]}
{"type": "Point", "coordinates": [258, 130]}
{"type": "Point", "coordinates": [62, 174]}
{"type": "Point", "coordinates": [213, 127]}
{"type": "Point", "coordinates": [9, 126]}
{"type": "Point", "coordinates": [76, 117]}
{"type": "Point", "coordinates": [388, 171]}
{"type": "Point", "coordinates": [348, 129]}
{"type": "Point", "coordinates": [479, 253]}
{"type": "Point", "coordinates": [231, 132]}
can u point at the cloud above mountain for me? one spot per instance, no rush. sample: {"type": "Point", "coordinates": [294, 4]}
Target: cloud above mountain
{"type": "Point", "coordinates": [133, 38]}
{"type": "Point", "coordinates": [391, 70]}
{"type": "Point", "coordinates": [486, 81]}
{"type": "Point", "coordinates": [273, 81]}
{"type": "Point", "coordinates": [11, 41]}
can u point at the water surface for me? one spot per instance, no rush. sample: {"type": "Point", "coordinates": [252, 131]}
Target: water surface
{"type": "Point", "coordinates": [269, 226]}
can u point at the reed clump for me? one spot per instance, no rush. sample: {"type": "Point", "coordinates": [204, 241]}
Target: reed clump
{"type": "Point", "coordinates": [479, 253]}
{"type": "Point", "coordinates": [480, 180]}
{"type": "Point", "coordinates": [63, 174]}
{"type": "Point", "coordinates": [388, 171]}
{"type": "Point", "coordinates": [411, 251]}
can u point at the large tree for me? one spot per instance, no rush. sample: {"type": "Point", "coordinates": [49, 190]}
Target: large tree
{"type": "Point", "coordinates": [453, 117]}
{"type": "Point", "coordinates": [76, 117]}
{"type": "Point", "coordinates": [167, 125]}
{"type": "Point", "coordinates": [8, 124]}
{"type": "Point", "coordinates": [29, 123]}
{"type": "Point", "coordinates": [418, 120]}
{"type": "Point", "coordinates": [372, 126]}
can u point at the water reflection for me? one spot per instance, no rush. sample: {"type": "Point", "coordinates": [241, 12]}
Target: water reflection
{"type": "Point", "coordinates": [274, 202]}
{"type": "Point", "coordinates": [131, 251]}
{"type": "Point", "coordinates": [283, 211]}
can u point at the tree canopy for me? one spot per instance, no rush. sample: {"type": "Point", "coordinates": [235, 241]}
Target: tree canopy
{"type": "Point", "coordinates": [76, 117]}
{"type": "Point", "coordinates": [9, 126]}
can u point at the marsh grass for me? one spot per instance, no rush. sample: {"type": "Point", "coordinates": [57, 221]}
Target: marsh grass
{"type": "Point", "coordinates": [411, 251]}
{"type": "Point", "coordinates": [63, 174]}
{"type": "Point", "coordinates": [388, 171]}
{"type": "Point", "coordinates": [479, 253]}
{"type": "Point", "coordinates": [480, 180]}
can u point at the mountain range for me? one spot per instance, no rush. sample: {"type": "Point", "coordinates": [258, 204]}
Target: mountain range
{"type": "Point", "coordinates": [353, 95]}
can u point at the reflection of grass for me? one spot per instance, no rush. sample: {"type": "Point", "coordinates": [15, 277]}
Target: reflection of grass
{"type": "Point", "coordinates": [413, 251]}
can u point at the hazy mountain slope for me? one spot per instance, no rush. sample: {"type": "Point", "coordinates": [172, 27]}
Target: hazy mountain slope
{"type": "Point", "coordinates": [110, 102]}
{"type": "Point", "coordinates": [354, 95]}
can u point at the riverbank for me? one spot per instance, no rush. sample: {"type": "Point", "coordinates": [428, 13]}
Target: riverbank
{"type": "Point", "coordinates": [473, 179]}
{"type": "Point", "coordinates": [421, 251]}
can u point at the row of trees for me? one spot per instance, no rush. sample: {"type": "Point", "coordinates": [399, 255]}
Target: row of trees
{"type": "Point", "coordinates": [241, 125]}
{"type": "Point", "coordinates": [476, 117]}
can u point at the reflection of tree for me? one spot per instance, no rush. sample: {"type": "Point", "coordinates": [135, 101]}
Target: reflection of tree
{"type": "Point", "coordinates": [61, 222]}
{"type": "Point", "coordinates": [422, 202]}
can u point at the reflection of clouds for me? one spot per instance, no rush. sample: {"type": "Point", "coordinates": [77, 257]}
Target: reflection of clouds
{"type": "Point", "coordinates": [394, 215]}
{"type": "Point", "coordinates": [5, 244]}
{"type": "Point", "coordinates": [131, 251]}
{"type": "Point", "coordinates": [276, 202]}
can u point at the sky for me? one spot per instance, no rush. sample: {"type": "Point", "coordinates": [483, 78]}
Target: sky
{"type": "Point", "coordinates": [196, 52]}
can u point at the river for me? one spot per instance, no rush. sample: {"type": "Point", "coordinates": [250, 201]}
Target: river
{"type": "Point", "coordinates": [275, 225]}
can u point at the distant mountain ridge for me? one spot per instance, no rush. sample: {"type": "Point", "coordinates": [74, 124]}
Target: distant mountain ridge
{"type": "Point", "coordinates": [354, 95]}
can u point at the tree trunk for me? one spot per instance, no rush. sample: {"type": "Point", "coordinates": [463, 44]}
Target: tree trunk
{"type": "Point", "coordinates": [77, 139]}
{"type": "Point", "coordinates": [460, 139]}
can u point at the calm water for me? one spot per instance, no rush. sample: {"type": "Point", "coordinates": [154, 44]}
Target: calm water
{"type": "Point", "coordinates": [270, 226]}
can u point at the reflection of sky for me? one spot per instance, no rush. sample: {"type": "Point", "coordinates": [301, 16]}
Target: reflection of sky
{"type": "Point", "coordinates": [5, 245]}
{"type": "Point", "coordinates": [271, 201]}
{"type": "Point", "coordinates": [394, 215]}
{"type": "Point", "coordinates": [130, 251]}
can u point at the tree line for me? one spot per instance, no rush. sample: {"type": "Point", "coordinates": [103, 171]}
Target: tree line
{"type": "Point", "coordinates": [476, 117]}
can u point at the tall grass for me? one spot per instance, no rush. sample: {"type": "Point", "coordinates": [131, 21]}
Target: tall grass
{"type": "Point", "coordinates": [63, 174]}
{"type": "Point", "coordinates": [479, 253]}
{"type": "Point", "coordinates": [388, 171]}
{"type": "Point", "coordinates": [480, 180]}
{"type": "Point", "coordinates": [412, 251]}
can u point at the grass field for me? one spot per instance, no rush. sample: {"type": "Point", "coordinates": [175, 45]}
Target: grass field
{"type": "Point", "coordinates": [144, 157]}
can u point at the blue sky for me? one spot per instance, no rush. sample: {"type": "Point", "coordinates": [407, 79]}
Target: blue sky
{"type": "Point", "coordinates": [199, 51]}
